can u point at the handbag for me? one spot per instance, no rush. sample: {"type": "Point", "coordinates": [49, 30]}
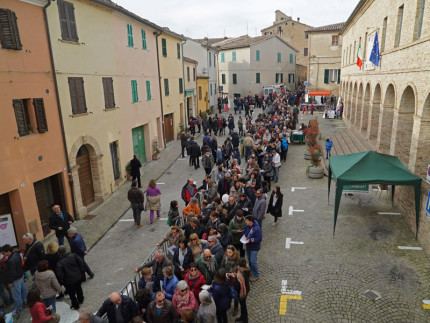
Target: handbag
{"type": "Point", "coordinates": [55, 318]}
{"type": "Point", "coordinates": [233, 293]}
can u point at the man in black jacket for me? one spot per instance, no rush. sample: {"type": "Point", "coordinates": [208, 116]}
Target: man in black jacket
{"type": "Point", "coordinates": [136, 198]}
{"type": "Point", "coordinates": [135, 169]}
{"type": "Point", "coordinates": [60, 221]}
{"type": "Point", "coordinates": [193, 227]}
{"type": "Point", "coordinates": [119, 308]}
{"type": "Point", "coordinates": [224, 185]}
{"type": "Point", "coordinates": [70, 273]}
{"type": "Point", "coordinates": [15, 278]}
{"type": "Point", "coordinates": [34, 252]}
{"type": "Point", "coordinates": [195, 153]}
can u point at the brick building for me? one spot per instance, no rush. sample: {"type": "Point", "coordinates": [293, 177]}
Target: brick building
{"type": "Point", "coordinates": [390, 103]}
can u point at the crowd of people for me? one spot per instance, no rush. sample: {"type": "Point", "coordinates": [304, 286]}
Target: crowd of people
{"type": "Point", "coordinates": [212, 243]}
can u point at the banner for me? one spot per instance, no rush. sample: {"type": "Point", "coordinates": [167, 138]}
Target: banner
{"type": "Point", "coordinates": [357, 188]}
{"type": "Point", "coordinates": [7, 232]}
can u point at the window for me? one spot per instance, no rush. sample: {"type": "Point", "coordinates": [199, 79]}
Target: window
{"type": "Point", "coordinates": [305, 52]}
{"type": "Point", "coordinates": [350, 53]}
{"type": "Point", "coordinates": [279, 78]}
{"type": "Point", "coordinates": [222, 58]}
{"type": "Point", "coordinates": [164, 47]}
{"type": "Point", "coordinates": [291, 78]}
{"type": "Point", "coordinates": [419, 18]}
{"type": "Point", "coordinates": [291, 58]}
{"type": "Point", "coordinates": [279, 57]}
{"type": "Point", "coordinates": [108, 92]}
{"type": "Point", "coordinates": [181, 86]}
{"type": "Point", "coordinates": [66, 12]}
{"type": "Point", "coordinates": [331, 76]}
{"type": "Point", "coordinates": [178, 50]}
{"type": "Point", "coordinates": [233, 56]}
{"type": "Point", "coordinates": [384, 34]}
{"type": "Point", "coordinates": [210, 58]}
{"type": "Point", "coordinates": [306, 36]}
{"type": "Point", "coordinates": [77, 95]}
{"type": "Point", "coordinates": [166, 87]}
{"type": "Point", "coordinates": [130, 35]}
{"type": "Point", "coordinates": [257, 55]}
{"type": "Point", "coordinates": [223, 78]}
{"type": "Point", "coordinates": [200, 92]}
{"type": "Point", "coordinates": [399, 26]}
{"type": "Point", "coordinates": [210, 88]}
{"type": "Point", "coordinates": [21, 116]}
{"type": "Point", "coordinates": [113, 146]}
{"type": "Point", "coordinates": [282, 77]}
{"type": "Point", "coordinates": [365, 46]}
{"type": "Point", "coordinates": [9, 34]}
{"type": "Point", "coordinates": [234, 78]}
{"type": "Point", "coordinates": [335, 40]}
{"type": "Point", "coordinates": [276, 78]}
{"type": "Point", "coordinates": [39, 109]}
{"type": "Point", "coordinates": [144, 39]}
{"type": "Point", "coordinates": [214, 61]}
{"type": "Point", "coordinates": [257, 78]}
{"type": "Point", "coordinates": [194, 73]}
{"type": "Point", "coordinates": [188, 73]}
{"type": "Point", "coordinates": [148, 90]}
{"type": "Point", "coordinates": [134, 93]}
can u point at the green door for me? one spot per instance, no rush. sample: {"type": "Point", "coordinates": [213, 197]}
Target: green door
{"type": "Point", "coordinates": [139, 143]}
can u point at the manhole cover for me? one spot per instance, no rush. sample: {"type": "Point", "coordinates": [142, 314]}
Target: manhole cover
{"type": "Point", "coordinates": [372, 295]}
{"type": "Point", "coordinates": [90, 217]}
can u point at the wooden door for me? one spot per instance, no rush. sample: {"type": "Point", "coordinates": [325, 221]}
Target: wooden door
{"type": "Point", "coordinates": [139, 143]}
{"type": "Point", "coordinates": [168, 127]}
{"type": "Point", "coordinates": [85, 176]}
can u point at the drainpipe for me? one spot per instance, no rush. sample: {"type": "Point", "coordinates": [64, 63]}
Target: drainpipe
{"type": "Point", "coordinates": [183, 84]}
{"type": "Point", "coordinates": [156, 33]}
{"type": "Point", "coordinates": [57, 95]}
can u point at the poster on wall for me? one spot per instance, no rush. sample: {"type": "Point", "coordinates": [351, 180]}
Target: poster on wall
{"type": "Point", "coordinates": [7, 232]}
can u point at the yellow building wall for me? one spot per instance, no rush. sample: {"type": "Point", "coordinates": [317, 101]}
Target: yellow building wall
{"type": "Point", "coordinates": [202, 94]}
{"type": "Point", "coordinates": [171, 68]}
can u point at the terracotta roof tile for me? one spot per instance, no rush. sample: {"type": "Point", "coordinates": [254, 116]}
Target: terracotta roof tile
{"type": "Point", "coordinates": [333, 27]}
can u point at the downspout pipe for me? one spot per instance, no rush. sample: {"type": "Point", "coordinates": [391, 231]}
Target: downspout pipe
{"type": "Point", "coordinates": [57, 95]}
{"type": "Point", "coordinates": [156, 33]}
{"type": "Point", "coordinates": [183, 85]}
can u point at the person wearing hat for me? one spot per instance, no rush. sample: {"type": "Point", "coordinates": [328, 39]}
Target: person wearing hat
{"type": "Point", "coordinates": [34, 252]}
{"type": "Point", "coordinates": [78, 247]}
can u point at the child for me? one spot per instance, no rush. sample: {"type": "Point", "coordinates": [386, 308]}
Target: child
{"type": "Point", "coordinates": [328, 145]}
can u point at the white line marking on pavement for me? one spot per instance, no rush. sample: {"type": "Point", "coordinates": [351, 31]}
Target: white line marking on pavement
{"type": "Point", "coordinates": [288, 243]}
{"type": "Point", "coordinates": [161, 183]}
{"type": "Point", "coordinates": [109, 284]}
{"type": "Point", "coordinates": [182, 158]}
{"type": "Point", "coordinates": [291, 210]}
{"type": "Point", "coordinates": [389, 213]}
{"type": "Point", "coordinates": [409, 248]}
{"type": "Point", "coordinates": [118, 270]}
{"type": "Point", "coordinates": [163, 219]}
{"type": "Point", "coordinates": [126, 220]}
{"type": "Point", "coordinates": [297, 188]}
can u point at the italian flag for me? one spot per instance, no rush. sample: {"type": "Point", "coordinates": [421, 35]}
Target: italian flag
{"type": "Point", "coordinates": [359, 60]}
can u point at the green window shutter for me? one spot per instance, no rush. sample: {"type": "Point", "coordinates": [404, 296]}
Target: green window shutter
{"type": "Point", "coordinates": [289, 78]}
{"type": "Point", "coordinates": [326, 73]}
{"type": "Point", "coordinates": [178, 49]}
{"type": "Point", "coordinates": [233, 56]}
{"type": "Point", "coordinates": [279, 57]}
{"type": "Point", "coordinates": [130, 35]}
{"type": "Point", "coordinates": [257, 55]}
{"type": "Point", "coordinates": [282, 77]}
{"type": "Point", "coordinates": [222, 58]}
{"type": "Point", "coordinates": [134, 91]}
{"type": "Point", "coordinates": [181, 88]}
{"type": "Point", "coordinates": [144, 39]}
{"type": "Point", "coordinates": [234, 78]}
{"type": "Point", "coordinates": [164, 46]}
{"type": "Point", "coordinates": [148, 90]}
{"type": "Point", "coordinates": [338, 76]}
{"type": "Point", "coordinates": [291, 58]}
{"type": "Point", "coordinates": [166, 87]}
{"type": "Point", "coordinates": [257, 78]}
{"type": "Point", "coordinates": [223, 78]}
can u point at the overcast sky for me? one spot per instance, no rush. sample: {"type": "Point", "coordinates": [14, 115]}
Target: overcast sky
{"type": "Point", "coordinates": [216, 18]}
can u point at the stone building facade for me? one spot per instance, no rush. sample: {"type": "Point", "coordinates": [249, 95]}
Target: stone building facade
{"type": "Point", "coordinates": [190, 71]}
{"type": "Point", "coordinates": [325, 48]}
{"type": "Point", "coordinates": [390, 103]}
{"type": "Point", "coordinates": [294, 32]}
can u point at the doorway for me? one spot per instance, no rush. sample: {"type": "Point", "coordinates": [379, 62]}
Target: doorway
{"type": "Point", "coordinates": [85, 175]}
{"type": "Point", "coordinates": [139, 143]}
{"type": "Point", "coordinates": [168, 127]}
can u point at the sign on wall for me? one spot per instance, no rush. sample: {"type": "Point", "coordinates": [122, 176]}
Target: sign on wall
{"type": "Point", "coordinates": [428, 207]}
{"type": "Point", "coordinates": [7, 232]}
{"type": "Point", "coordinates": [428, 173]}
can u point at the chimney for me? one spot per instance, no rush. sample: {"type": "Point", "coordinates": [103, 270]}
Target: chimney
{"type": "Point", "coordinates": [298, 18]}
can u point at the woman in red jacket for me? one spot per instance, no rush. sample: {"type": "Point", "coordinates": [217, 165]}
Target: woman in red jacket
{"type": "Point", "coordinates": [37, 308]}
{"type": "Point", "coordinates": [195, 280]}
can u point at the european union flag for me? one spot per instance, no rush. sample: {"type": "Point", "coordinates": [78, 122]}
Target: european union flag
{"type": "Point", "coordinates": [374, 56]}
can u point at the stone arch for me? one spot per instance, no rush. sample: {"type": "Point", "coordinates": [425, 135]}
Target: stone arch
{"type": "Point", "coordinates": [374, 113]}
{"type": "Point", "coordinates": [366, 109]}
{"type": "Point", "coordinates": [358, 115]}
{"type": "Point", "coordinates": [420, 147]}
{"type": "Point", "coordinates": [97, 174]}
{"type": "Point", "coordinates": [386, 120]}
{"type": "Point", "coordinates": [403, 124]}
{"type": "Point", "coordinates": [353, 103]}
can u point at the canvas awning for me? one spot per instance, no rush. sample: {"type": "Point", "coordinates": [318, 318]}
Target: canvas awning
{"type": "Point", "coordinates": [371, 167]}
{"type": "Point", "coordinates": [319, 93]}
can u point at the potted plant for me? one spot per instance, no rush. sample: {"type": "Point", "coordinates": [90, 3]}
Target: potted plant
{"type": "Point", "coordinates": [311, 138]}
{"type": "Point", "coordinates": [30, 128]}
{"type": "Point", "coordinates": [155, 150]}
{"type": "Point", "coordinates": [128, 171]}
{"type": "Point", "coordinates": [315, 170]}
